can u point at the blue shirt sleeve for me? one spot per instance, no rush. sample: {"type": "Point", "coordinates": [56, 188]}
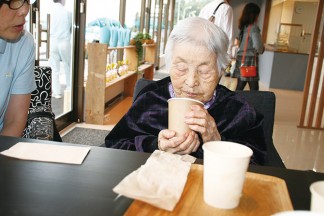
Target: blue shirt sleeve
{"type": "Point", "coordinates": [24, 78]}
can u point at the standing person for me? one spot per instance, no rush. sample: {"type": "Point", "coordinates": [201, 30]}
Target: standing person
{"type": "Point", "coordinates": [17, 60]}
{"type": "Point", "coordinates": [254, 46]}
{"type": "Point", "coordinates": [223, 18]}
{"type": "Point", "coordinates": [60, 45]}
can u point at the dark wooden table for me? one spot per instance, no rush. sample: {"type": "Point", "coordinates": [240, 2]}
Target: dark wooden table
{"type": "Point", "coordinates": [38, 188]}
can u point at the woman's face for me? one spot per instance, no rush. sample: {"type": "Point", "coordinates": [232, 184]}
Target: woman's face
{"type": "Point", "coordinates": [193, 72]}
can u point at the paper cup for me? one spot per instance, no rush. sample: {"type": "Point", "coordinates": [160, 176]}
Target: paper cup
{"type": "Point", "coordinates": [225, 165]}
{"type": "Point", "coordinates": [317, 196]}
{"type": "Point", "coordinates": [178, 107]}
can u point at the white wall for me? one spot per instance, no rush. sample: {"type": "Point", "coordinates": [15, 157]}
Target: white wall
{"type": "Point", "coordinates": [273, 27]}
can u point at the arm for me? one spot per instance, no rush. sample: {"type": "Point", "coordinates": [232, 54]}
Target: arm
{"type": "Point", "coordinates": [203, 126]}
{"type": "Point", "coordinates": [16, 115]}
{"type": "Point", "coordinates": [70, 20]}
{"type": "Point", "coordinates": [226, 23]}
{"type": "Point", "coordinates": [245, 126]}
{"type": "Point", "coordinates": [250, 134]}
{"type": "Point", "coordinates": [202, 122]}
{"type": "Point", "coordinates": [237, 121]}
{"type": "Point", "coordinates": [139, 128]}
{"type": "Point", "coordinates": [257, 40]}
{"type": "Point", "coordinates": [23, 84]}
{"type": "Point", "coordinates": [183, 144]}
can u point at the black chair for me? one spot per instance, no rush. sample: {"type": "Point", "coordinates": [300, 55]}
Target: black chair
{"type": "Point", "coordinates": [41, 119]}
{"type": "Point", "coordinates": [140, 85]}
{"type": "Point", "coordinates": [263, 101]}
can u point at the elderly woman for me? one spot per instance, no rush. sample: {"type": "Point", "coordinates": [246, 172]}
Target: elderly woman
{"type": "Point", "coordinates": [196, 53]}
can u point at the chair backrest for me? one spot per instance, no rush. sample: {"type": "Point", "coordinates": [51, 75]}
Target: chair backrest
{"type": "Point", "coordinates": [140, 85]}
{"type": "Point", "coordinates": [263, 101]}
{"type": "Point", "coordinates": [41, 119]}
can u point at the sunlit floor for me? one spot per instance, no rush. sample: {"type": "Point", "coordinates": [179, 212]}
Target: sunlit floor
{"type": "Point", "coordinates": [301, 149]}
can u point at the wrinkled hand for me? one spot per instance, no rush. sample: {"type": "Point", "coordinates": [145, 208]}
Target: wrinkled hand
{"type": "Point", "coordinates": [200, 121]}
{"type": "Point", "coordinates": [184, 144]}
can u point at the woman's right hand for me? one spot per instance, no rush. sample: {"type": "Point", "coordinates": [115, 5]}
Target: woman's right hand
{"type": "Point", "coordinates": [184, 144]}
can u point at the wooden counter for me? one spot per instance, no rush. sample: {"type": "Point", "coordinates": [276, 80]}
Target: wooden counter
{"type": "Point", "coordinates": [283, 70]}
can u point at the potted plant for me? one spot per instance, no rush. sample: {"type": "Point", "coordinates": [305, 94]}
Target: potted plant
{"type": "Point", "coordinates": [137, 41]}
{"type": "Point", "coordinates": [147, 39]}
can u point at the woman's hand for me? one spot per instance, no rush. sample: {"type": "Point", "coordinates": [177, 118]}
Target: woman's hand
{"type": "Point", "coordinates": [184, 144]}
{"type": "Point", "coordinates": [200, 121]}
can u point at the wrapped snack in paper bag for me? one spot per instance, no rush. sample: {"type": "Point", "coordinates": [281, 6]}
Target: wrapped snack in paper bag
{"type": "Point", "coordinates": [159, 182]}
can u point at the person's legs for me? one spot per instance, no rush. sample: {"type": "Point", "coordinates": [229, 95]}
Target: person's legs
{"type": "Point", "coordinates": [55, 65]}
{"type": "Point", "coordinates": [240, 84]}
{"type": "Point", "coordinates": [65, 53]}
{"type": "Point", "coordinates": [254, 85]}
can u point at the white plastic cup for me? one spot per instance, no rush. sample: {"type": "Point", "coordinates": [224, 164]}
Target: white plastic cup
{"type": "Point", "coordinates": [225, 166]}
{"type": "Point", "coordinates": [317, 196]}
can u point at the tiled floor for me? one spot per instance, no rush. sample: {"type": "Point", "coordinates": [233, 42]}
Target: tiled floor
{"type": "Point", "coordinates": [301, 149]}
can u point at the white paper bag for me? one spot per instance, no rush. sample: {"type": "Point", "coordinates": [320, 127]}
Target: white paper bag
{"type": "Point", "coordinates": [159, 182]}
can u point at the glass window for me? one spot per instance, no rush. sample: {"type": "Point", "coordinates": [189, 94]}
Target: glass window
{"type": "Point", "coordinates": [188, 8]}
{"type": "Point", "coordinates": [98, 12]}
{"type": "Point", "coordinates": [154, 18]}
{"type": "Point", "coordinates": [56, 50]}
{"type": "Point", "coordinates": [132, 16]}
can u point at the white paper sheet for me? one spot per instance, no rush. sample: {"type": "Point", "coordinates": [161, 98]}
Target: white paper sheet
{"type": "Point", "coordinates": [159, 182]}
{"type": "Point", "coordinates": [48, 152]}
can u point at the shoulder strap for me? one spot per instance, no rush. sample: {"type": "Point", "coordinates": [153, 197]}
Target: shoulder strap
{"type": "Point", "coordinates": [246, 43]}
{"type": "Point", "coordinates": [217, 7]}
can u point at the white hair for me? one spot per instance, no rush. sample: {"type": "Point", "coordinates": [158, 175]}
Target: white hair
{"type": "Point", "coordinates": [199, 32]}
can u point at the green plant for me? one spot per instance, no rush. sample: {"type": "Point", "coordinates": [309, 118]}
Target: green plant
{"type": "Point", "coordinates": [139, 39]}
{"type": "Point", "coordinates": [139, 36]}
{"type": "Point", "coordinates": [147, 36]}
{"type": "Point", "coordinates": [139, 46]}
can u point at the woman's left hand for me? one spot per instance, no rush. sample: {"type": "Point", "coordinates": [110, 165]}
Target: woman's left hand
{"type": "Point", "coordinates": [200, 121]}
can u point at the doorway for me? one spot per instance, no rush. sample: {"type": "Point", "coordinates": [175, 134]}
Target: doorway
{"type": "Point", "coordinates": [55, 48]}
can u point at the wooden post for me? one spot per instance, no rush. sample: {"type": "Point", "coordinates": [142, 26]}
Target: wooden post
{"type": "Point", "coordinates": [96, 83]}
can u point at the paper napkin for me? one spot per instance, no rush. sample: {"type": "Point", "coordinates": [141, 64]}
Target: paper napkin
{"type": "Point", "coordinates": [159, 182]}
{"type": "Point", "coordinates": [48, 152]}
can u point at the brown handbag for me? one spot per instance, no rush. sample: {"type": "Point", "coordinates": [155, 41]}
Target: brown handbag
{"type": "Point", "coordinates": [248, 71]}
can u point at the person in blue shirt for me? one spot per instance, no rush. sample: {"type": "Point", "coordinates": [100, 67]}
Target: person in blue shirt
{"type": "Point", "coordinates": [17, 60]}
